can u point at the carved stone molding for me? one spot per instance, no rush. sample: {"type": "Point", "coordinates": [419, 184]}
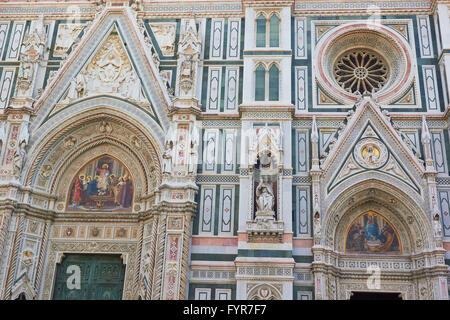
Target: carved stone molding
{"type": "Point", "coordinates": [404, 288]}
{"type": "Point", "coordinates": [264, 291]}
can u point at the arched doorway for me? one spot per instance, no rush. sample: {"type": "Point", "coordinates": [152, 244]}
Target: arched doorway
{"type": "Point", "coordinates": [376, 242]}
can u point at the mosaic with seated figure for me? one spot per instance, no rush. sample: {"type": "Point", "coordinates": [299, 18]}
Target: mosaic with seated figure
{"type": "Point", "coordinates": [102, 185]}
{"type": "Point", "coordinates": [372, 233]}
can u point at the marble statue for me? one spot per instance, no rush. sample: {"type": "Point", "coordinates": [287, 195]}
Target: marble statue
{"type": "Point", "coordinates": [167, 158]}
{"type": "Point", "coordinates": [265, 199]}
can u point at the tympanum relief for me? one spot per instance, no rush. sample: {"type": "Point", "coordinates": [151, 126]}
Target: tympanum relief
{"type": "Point", "coordinates": [109, 72]}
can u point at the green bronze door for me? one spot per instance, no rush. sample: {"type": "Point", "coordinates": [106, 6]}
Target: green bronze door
{"type": "Point", "coordinates": [100, 277]}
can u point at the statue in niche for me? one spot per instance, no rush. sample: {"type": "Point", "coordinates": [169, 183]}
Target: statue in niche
{"type": "Point", "coordinates": [265, 199]}
{"type": "Point", "coordinates": [167, 157]}
{"type": "Point", "coordinates": [165, 78]}
{"type": "Point", "coordinates": [31, 52]}
{"type": "Point", "coordinates": [317, 228]}
{"type": "Point", "coordinates": [25, 77]}
{"type": "Point", "coordinates": [186, 74]}
{"type": "Point", "coordinates": [437, 225]}
{"type": "Point", "coordinates": [265, 189]}
{"type": "Point", "coordinates": [193, 151]}
{"type": "Point", "coordinates": [19, 156]}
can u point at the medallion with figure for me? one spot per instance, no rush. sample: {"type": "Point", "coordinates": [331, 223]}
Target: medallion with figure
{"type": "Point", "coordinates": [103, 185]}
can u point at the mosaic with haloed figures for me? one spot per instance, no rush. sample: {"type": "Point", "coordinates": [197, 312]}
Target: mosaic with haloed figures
{"type": "Point", "coordinates": [372, 233]}
{"type": "Point", "coordinates": [102, 185]}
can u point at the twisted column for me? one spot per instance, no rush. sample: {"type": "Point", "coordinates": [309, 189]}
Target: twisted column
{"type": "Point", "coordinates": [14, 255]}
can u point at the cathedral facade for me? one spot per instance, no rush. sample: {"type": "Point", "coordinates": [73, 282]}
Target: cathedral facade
{"type": "Point", "coordinates": [224, 149]}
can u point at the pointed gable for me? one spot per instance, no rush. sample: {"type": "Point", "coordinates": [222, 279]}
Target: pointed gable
{"type": "Point", "coordinates": [369, 143]}
{"type": "Point", "coordinates": [109, 72]}
{"type": "Point", "coordinates": [111, 60]}
{"type": "Point", "coordinates": [371, 153]}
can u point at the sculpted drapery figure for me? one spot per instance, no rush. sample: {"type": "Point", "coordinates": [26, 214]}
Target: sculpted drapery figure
{"type": "Point", "coordinates": [189, 49]}
{"type": "Point", "coordinates": [30, 54]}
{"type": "Point", "coordinates": [19, 154]}
{"type": "Point", "coordinates": [167, 158]}
{"type": "Point", "coordinates": [193, 151]}
{"type": "Point", "coordinates": [264, 198]}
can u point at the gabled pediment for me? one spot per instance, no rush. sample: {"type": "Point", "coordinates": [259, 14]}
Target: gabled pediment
{"type": "Point", "coordinates": [109, 72]}
{"type": "Point", "coordinates": [111, 60]}
{"type": "Point", "coordinates": [369, 143]}
{"type": "Point", "coordinates": [370, 153]}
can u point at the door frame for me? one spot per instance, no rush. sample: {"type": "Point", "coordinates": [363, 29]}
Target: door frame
{"type": "Point", "coordinates": [127, 250]}
{"type": "Point", "coordinates": [91, 259]}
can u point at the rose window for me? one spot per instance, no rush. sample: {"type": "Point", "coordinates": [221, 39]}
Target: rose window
{"type": "Point", "coordinates": [361, 71]}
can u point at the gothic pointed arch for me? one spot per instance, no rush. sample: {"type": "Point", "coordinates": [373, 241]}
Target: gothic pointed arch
{"type": "Point", "coordinates": [406, 220]}
{"type": "Point", "coordinates": [66, 147]}
{"type": "Point", "coordinates": [114, 37]}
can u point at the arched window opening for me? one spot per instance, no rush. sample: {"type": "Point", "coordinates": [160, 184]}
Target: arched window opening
{"type": "Point", "coordinates": [261, 31]}
{"type": "Point", "coordinates": [260, 83]}
{"type": "Point", "coordinates": [274, 27]}
{"type": "Point", "coordinates": [274, 83]}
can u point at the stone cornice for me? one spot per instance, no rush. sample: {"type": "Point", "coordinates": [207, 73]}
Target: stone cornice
{"type": "Point", "coordinates": [224, 8]}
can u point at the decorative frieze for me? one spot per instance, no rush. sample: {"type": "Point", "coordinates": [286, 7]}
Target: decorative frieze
{"type": "Point", "coordinates": [234, 38]}
{"type": "Point", "coordinates": [216, 42]}
{"type": "Point", "coordinates": [214, 89]}
{"type": "Point", "coordinates": [207, 209]}
{"type": "Point", "coordinates": [301, 91]}
{"type": "Point", "coordinates": [424, 36]}
{"type": "Point", "coordinates": [444, 204]}
{"type": "Point", "coordinates": [303, 212]}
{"type": "Point", "coordinates": [438, 149]}
{"type": "Point", "coordinates": [300, 38]}
{"type": "Point", "coordinates": [261, 272]}
{"type": "Point", "coordinates": [3, 34]}
{"type": "Point", "coordinates": [302, 154]}
{"type": "Point", "coordinates": [226, 210]}
{"type": "Point", "coordinates": [94, 232]}
{"type": "Point", "coordinates": [303, 276]}
{"type": "Point", "coordinates": [430, 88]}
{"type": "Point", "coordinates": [213, 275]}
{"type": "Point", "coordinates": [17, 34]}
{"type": "Point", "coordinates": [219, 179]}
{"type": "Point", "coordinates": [210, 144]}
{"type": "Point", "coordinates": [5, 86]}
{"type": "Point", "coordinates": [229, 152]}
{"type": "Point", "coordinates": [231, 89]}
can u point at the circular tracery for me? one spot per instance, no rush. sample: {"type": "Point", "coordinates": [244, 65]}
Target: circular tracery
{"type": "Point", "coordinates": [391, 51]}
{"type": "Point", "coordinates": [362, 71]}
